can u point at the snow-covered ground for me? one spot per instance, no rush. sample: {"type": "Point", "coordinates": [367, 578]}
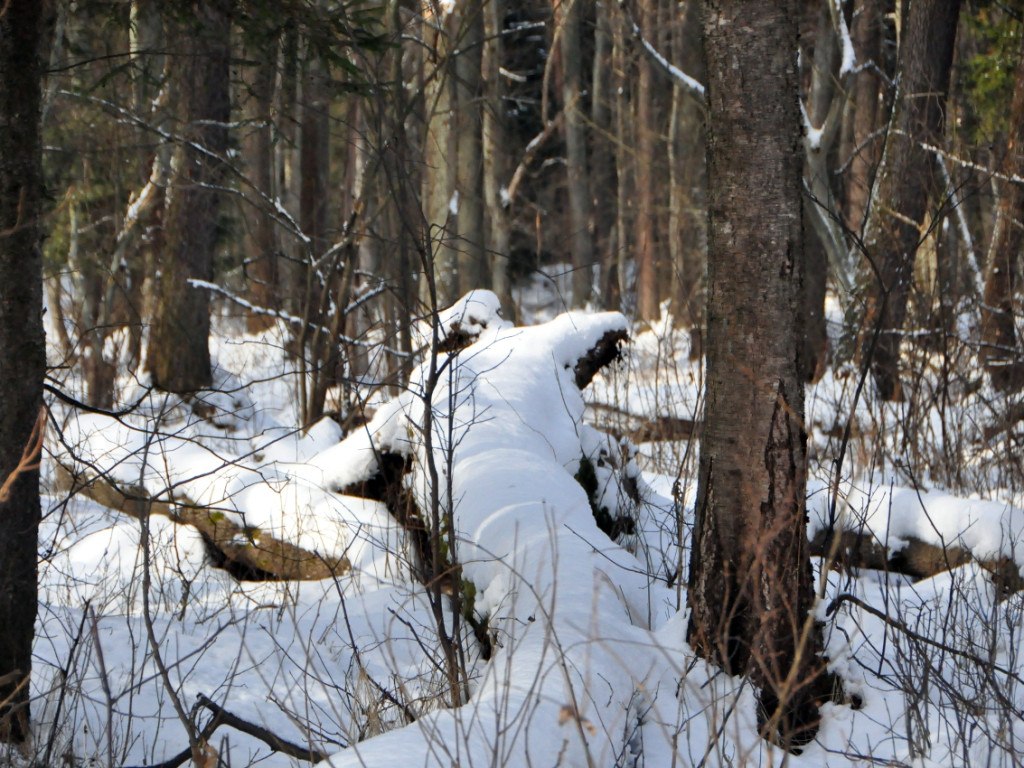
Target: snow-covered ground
{"type": "Point", "coordinates": [589, 664]}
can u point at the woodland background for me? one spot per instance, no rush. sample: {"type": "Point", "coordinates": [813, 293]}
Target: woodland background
{"type": "Point", "coordinates": [324, 176]}
{"type": "Point", "coordinates": [375, 161]}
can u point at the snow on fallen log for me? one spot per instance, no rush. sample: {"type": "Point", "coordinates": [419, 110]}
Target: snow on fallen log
{"type": "Point", "coordinates": [261, 510]}
{"type": "Point", "coordinates": [509, 442]}
{"type": "Point", "coordinates": [248, 553]}
{"type": "Point", "coordinates": [920, 533]}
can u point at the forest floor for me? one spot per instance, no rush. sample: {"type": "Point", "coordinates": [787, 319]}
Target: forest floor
{"type": "Point", "coordinates": [585, 660]}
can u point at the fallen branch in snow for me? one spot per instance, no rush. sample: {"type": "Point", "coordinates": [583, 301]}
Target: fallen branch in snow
{"type": "Point", "coordinates": [222, 717]}
{"type": "Point", "coordinates": [245, 553]}
{"type": "Point", "coordinates": [915, 558]}
{"type": "Point", "coordinates": [985, 663]}
{"type": "Point", "coordinates": [643, 429]}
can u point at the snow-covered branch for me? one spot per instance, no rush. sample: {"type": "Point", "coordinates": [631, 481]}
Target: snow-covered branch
{"type": "Point", "coordinates": [691, 85]}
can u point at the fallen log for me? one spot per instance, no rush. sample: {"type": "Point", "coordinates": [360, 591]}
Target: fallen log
{"type": "Point", "coordinates": [915, 558]}
{"type": "Point", "coordinates": [248, 554]}
{"type": "Point", "coordinates": [644, 429]}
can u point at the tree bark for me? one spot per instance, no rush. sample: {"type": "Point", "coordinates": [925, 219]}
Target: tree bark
{"type": "Point", "coordinates": [1000, 352]}
{"type": "Point", "coordinates": [440, 146]}
{"type": "Point", "coordinates": [473, 272]}
{"type": "Point", "coordinates": [496, 157]}
{"type": "Point", "coordinates": [750, 585]}
{"type": "Point", "coordinates": [22, 349]}
{"type": "Point", "coordinates": [905, 180]}
{"type": "Point", "coordinates": [258, 146]}
{"type": "Point", "coordinates": [647, 293]}
{"type": "Point", "coordinates": [573, 124]}
{"type": "Point", "coordinates": [179, 354]}
{"type": "Point", "coordinates": [863, 150]}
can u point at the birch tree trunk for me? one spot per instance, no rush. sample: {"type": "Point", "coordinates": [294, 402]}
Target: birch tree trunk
{"type": "Point", "coordinates": [750, 584]}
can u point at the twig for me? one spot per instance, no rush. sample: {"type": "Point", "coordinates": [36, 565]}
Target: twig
{"type": "Point", "coordinates": [29, 457]}
{"type": "Point", "coordinates": [222, 717]}
{"type": "Point", "coordinates": [895, 624]}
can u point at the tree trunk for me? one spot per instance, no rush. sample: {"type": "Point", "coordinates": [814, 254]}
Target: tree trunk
{"type": "Point", "coordinates": [314, 157]}
{"type": "Point", "coordinates": [473, 272]}
{"type": "Point", "coordinates": [750, 586]}
{"type": "Point", "coordinates": [647, 293]}
{"type": "Point", "coordinates": [602, 159]}
{"type": "Point", "coordinates": [179, 354]}
{"type": "Point", "coordinates": [580, 207]}
{"type": "Point", "coordinates": [322, 280]}
{"type": "Point", "coordinates": [440, 147]}
{"type": "Point", "coordinates": [258, 147]}
{"type": "Point", "coordinates": [998, 332]}
{"type": "Point", "coordinates": [496, 158]}
{"type": "Point", "coordinates": [905, 180]}
{"type": "Point", "coordinates": [862, 149]}
{"type": "Point", "coordinates": [823, 114]}
{"type": "Point", "coordinates": [22, 350]}
{"type": "Point", "coordinates": [623, 162]}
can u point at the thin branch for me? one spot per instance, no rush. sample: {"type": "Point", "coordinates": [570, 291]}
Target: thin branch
{"type": "Point", "coordinates": [691, 85]}
{"type": "Point", "coordinates": [903, 628]}
{"type": "Point", "coordinates": [29, 456]}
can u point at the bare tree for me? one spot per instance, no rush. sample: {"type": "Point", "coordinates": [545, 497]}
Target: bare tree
{"type": "Point", "coordinates": [570, 14]}
{"type": "Point", "coordinates": [22, 350]}
{"type": "Point", "coordinates": [906, 178]}
{"type": "Point", "coordinates": [750, 573]}
{"type": "Point", "coordinates": [179, 355]}
{"type": "Point", "coordinates": [1000, 351]}
{"type": "Point", "coordinates": [496, 156]}
{"type": "Point", "coordinates": [261, 257]}
{"type": "Point", "coordinates": [647, 293]}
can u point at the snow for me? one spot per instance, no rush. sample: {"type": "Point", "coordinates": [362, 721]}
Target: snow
{"type": "Point", "coordinates": [849, 61]}
{"type": "Point", "coordinates": [589, 666]}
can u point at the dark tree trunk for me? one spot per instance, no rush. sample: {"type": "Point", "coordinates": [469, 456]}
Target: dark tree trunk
{"type": "Point", "coordinates": [496, 152]}
{"type": "Point", "coordinates": [647, 290]}
{"type": "Point", "coordinates": [580, 206]}
{"type": "Point", "coordinates": [473, 263]}
{"type": "Point", "coordinates": [260, 243]}
{"type": "Point", "coordinates": [22, 349]}
{"type": "Point", "coordinates": [179, 354]}
{"type": "Point", "coordinates": [750, 586]}
{"type": "Point", "coordinates": [906, 179]}
{"type": "Point", "coordinates": [998, 333]}
{"type": "Point", "coordinates": [315, 156]}
{"type": "Point", "coordinates": [440, 145]}
{"type": "Point", "coordinates": [862, 150]}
